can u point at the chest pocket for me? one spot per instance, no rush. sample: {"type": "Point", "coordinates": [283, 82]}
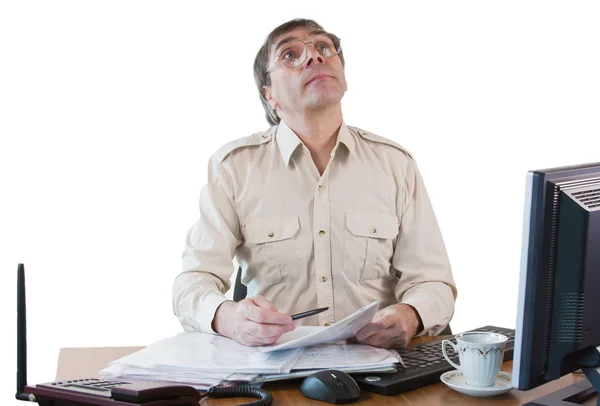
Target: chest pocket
{"type": "Point", "coordinates": [369, 245]}
{"type": "Point", "coordinates": [275, 246]}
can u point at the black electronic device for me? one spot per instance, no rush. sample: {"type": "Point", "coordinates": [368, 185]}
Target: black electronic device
{"type": "Point", "coordinates": [92, 391]}
{"type": "Point", "coordinates": [558, 322]}
{"type": "Point", "coordinates": [424, 365]}
{"type": "Point", "coordinates": [330, 386]}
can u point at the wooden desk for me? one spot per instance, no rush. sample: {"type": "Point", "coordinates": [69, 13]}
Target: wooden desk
{"type": "Point", "coordinates": [86, 362]}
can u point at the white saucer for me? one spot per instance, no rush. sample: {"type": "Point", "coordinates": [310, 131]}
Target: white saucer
{"type": "Point", "coordinates": [456, 380]}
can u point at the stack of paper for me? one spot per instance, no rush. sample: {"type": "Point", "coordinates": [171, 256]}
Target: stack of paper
{"type": "Point", "coordinates": [205, 360]}
{"type": "Point", "coordinates": [199, 358]}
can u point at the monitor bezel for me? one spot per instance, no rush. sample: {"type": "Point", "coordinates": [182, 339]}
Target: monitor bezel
{"type": "Point", "coordinates": [530, 324]}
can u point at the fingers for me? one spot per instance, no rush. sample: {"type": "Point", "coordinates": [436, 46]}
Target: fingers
{"type": "Point", "coordinates": [380, 323]}
{"type": "Point", "coordinates": [394, 342]}
{"type": "Point", "coordinates": [259, 322]}
{"type": "Point", "coordinates": [252, 341]}
{"type": "Point", "coordinates": [391, 337]}
{"type": "Point", "coordinates": [247, 338]}
{"type": "Point", "coordinates": [252, 333]}
{"type": "Point", "coordinates": [387, 330]}
{"type": "Point", "coordinates": [254, 312]}
{"type": "Point", "coordinates": [266, 333]}
{"type": "Point", "coordinates": [381, 337]}
{"type": "Point", "coordinates": [256, 321]}
{"type": "Point", "coordinates": [263, 302]}
{"type": "Point", "coordinates": [267, 330]}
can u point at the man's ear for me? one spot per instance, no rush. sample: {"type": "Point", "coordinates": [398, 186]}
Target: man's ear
{"type": "Point", "coordinates": [269, 96]}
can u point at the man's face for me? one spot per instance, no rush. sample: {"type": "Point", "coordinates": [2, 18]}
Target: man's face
{"type": "Point", "coordinates": [317, 83]}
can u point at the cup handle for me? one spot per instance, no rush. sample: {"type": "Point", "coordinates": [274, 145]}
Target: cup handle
{"type": "Point", "coordinates": [444, 343]}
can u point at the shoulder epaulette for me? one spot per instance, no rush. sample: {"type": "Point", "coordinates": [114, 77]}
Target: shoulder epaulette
{"type": "Point", "coordinates": [381, 140]}
{"type": "Point", "coordinates": [257, 138]}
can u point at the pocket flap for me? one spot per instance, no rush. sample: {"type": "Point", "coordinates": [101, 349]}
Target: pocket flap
{"type": "Point", "coordinates": [269, 229]}
{"type": "Point", "coordinates": [373, 225]}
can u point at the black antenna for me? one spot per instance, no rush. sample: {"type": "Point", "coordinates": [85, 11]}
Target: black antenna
{"type": "Point", "coordinates": [21, 338]}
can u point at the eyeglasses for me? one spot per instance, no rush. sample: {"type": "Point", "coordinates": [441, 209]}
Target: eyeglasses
{"type": "Point", "coordinates": [294, 53]}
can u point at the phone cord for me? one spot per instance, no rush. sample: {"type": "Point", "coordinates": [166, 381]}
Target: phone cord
{"type": "Point", "coordinates": [266, 399]}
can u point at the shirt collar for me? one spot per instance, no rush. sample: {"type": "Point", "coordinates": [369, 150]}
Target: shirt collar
{"type": "Point", "coordinates": [288, 141]}
{"type": "Point", "coordinates": [345, 137]}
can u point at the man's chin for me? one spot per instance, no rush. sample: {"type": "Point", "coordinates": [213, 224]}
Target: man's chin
{"type": "Point", "coordinates": [323, 99]}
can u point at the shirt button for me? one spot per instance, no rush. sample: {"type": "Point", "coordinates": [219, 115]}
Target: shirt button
{"type": "Point", "coordinates": [271, 234]}
{"type": "Point", "coordinates": [321, 233]}
{"type": "Point", "coordinates": [320, 188]}
{"type": "Point", "coordinates": [324, 278]}
{"type": "Point", "coordinates": [372, 230]}
{"type": "Point", "coordinates": [326, 324]}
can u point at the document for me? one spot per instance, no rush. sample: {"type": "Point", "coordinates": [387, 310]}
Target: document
{"type": "Point", "coordinates": [196, 352]}
{"type": "Point", "coordinates": [304, 336]}
{"type": "Point", "coordinates": [341, 356]}
{"type": "Point", "coordinates": [344, 355]}
{"type": "Point", "coordinates": [205, 360]}
{"type": "Point", "coordinates": [301, 373]}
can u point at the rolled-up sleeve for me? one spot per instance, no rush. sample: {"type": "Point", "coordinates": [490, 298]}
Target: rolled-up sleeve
{"type": "Point", "coordinates": [420, 257]}
{"type": "Point", "coordinates": [209, 250]}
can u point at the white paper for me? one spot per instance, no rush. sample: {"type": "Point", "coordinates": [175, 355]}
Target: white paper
{"type": "Point", "coordinates": [335, 356]}
{"type": "Point", "coordinates": [203, 359]}
{"type": "Point", "coordinates": [199, 381]}
{"type": "Point", "coordinates": [344, 357]}
{"type": "Point", "coordinates": [198, 352]}
{"type": "Point", "coordinates": [390, 368]}
{"type": "Point", "coordinates": [341, 330]}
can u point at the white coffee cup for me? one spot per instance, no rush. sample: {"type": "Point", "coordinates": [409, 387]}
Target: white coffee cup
{"type": "Point", "coordinates": [480, 355]}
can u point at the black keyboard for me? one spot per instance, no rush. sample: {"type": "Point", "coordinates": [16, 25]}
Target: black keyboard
{"type": "Point", "coordinates": [425, 364]}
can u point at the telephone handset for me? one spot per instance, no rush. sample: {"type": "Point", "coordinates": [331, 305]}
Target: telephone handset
{"type": "Point", "coordinates": [120, 393]}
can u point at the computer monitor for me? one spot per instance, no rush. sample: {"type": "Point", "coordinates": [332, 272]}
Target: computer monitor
{"type": "Point", "coordinates": [558, 318]}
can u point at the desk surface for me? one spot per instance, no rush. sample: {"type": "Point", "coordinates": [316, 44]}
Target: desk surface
{"type": "Point", "coordinates": [86, 362]}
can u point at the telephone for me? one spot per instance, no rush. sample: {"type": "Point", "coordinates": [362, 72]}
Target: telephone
{"type": "Point", "coordinates": [92, 391]}
{"type": "Point", "coordinates": [112, 393]}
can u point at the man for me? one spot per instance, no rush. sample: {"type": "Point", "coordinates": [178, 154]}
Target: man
{"type": "Point", "coordinates": [317, 214]}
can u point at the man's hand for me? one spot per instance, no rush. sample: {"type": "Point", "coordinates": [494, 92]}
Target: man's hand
{"type": "Point", "coordinates": [252, 321]}
{"type": "Point", "coordinates": [391, 327]}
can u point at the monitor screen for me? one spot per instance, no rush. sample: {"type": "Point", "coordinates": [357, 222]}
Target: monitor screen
{"type": "Point", "coordinates": [558, 317]}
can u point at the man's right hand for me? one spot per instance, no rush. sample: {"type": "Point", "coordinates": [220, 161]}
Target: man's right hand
{"type": "Point", "coordinates": [253, 321]}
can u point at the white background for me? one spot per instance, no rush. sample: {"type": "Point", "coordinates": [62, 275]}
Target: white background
{"type": "Point", "coordinates": [110, 110]}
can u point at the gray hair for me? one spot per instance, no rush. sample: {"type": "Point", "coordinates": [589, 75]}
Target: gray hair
{"type": "Point", "coordinates": [262, 58]}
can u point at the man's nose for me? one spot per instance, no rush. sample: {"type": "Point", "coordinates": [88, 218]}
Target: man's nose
{"type": "Point", "coordinates": [313, 56]}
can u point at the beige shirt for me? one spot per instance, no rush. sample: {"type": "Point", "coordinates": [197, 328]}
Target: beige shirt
{"type": "Point", "coordinates": [365, 230]}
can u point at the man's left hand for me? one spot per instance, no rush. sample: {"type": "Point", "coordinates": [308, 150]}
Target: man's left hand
{"type": "Point", "coordinates": [391, 327]}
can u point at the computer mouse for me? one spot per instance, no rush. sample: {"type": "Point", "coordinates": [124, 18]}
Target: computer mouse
{"type": "Point", "coordinates": [330, 386]}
